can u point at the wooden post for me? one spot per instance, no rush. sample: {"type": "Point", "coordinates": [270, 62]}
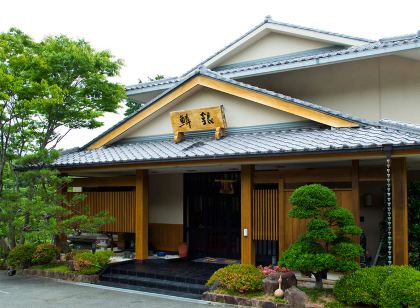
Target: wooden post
{"type": "Point", "coordinates": [282, 218]}
{"type": "Point", "coordinates": [355, 191]}
{"type": "Point", "coordinates": [399, 211]}
{"type": "Point", "coordinates": [142, 214]}
{"type": "Point", "coordinates": [247, 244]}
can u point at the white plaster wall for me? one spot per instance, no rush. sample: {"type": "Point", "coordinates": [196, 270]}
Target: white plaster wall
{"type": "Point", "coordinates": [239, 113]}
{"type": "Point", "coordinates": [166, 203]}
{"type": "Point", "coordinates": [274, 44]}
{"type": "Point", "coordinates": [387, 87]}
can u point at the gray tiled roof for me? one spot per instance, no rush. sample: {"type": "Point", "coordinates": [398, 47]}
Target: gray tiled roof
{"type": "Point", "coordinates": [258, 143]}
{"type": "Point", "coordinates": [268, 19]}
{"type": "Point", "coordinates": [350, 51]}
{"type": "Point", "coordinates": [153, 84]}
{"type": "Point", "coordinates": [410, 127]}
{"type": "Point", "coordinates": [382, 45]}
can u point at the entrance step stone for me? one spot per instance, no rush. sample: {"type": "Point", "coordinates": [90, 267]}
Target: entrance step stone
{"type": "Point", "coordinates": [170, 285]}
{"type": "Point", "coordinates": [179, 278]}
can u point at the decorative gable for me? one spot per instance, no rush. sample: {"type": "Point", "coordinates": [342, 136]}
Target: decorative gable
{"type": "Point", "coordinates": [203, 78]}
{"type": "Point", "coordinates": [273, 45]}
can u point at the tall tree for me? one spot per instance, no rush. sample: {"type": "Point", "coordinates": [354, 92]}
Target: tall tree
{"type": "Point", "coordinates": [47, 88]}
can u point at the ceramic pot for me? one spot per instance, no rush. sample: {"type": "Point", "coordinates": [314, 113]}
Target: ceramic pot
{"type": "Point", "coordinates": [183, 250]}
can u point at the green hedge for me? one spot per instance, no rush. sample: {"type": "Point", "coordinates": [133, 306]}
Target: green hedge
{"type": "Point", "coordinates": [238, 278]}
{"type": "Point", "coordinates": [375, 286]}
{"type": "Point", "coordinates": [91, 263]}
{"type": "Point", "coordinates": [401, 288]}
{"type": "Point", "coordinates": [21, 256]}
{"type": "Point", "coordinates": [45, 253]}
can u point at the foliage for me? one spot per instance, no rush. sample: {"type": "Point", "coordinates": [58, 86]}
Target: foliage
{"type": "Point", "coordinates": [240, 278]}
{"type": "Point", "coordinates": [414, 223]}
{"type": "Point", "coordinates": [91, 263]}
{"type": "Point", "coordinates": [327, 244]}
{"type": "Point", "coordinates": [54, 267]}
{"type": "Point", "coordinates": [362, 286]}
{"type": "Point", "coordinates": [131, 104]}
{"type": "Point", "coordinates": [377, 287]}
{"type": "Point", "coordinates": [45, 253]}
{"type": "Point", "coordinates": [47, 88]}
{"type": "Point", "coordinates": [401, 288]}
{"type": "Point", "coordinates": [21, 256]}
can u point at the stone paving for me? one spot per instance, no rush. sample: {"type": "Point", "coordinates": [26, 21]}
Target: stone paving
{"type": "Point", "coordinates": [34, 292]}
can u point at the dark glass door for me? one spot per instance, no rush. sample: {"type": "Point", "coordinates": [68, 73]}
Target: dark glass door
{"type": "Point", "coordinates": [212, 216]}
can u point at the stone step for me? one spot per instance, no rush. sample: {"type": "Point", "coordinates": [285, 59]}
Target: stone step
{"type": "Point", "coordinates": [149, 290]}
{"type": "Point", "coordinates": [171, 277]}
{"type": "Point", "coordinates": [148, 282]}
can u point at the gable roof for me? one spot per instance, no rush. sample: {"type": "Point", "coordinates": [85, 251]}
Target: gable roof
{"type": "Point", "coordinates": [379, 48]}
{"type": "Point", "coordinates": [271, 24]}
{"type": "Point", "coordinates": [302, 60]}
{"type": "Point", "coordinates": [216, 81]}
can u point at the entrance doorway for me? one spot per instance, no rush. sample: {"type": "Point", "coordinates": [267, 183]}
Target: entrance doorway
{"type": "Point", "coordinates": [212, 214]}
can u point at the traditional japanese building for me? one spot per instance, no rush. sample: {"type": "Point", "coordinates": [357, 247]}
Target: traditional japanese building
{"type": "Point", "coordinates": [211, 157]}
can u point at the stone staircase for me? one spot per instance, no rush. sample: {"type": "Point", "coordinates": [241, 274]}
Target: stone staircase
{"type": "Point", "coordinates": [176, 278]}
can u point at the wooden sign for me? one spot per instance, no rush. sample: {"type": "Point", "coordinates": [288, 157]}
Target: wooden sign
{"type": "Point", "coordinates": [198, 119]}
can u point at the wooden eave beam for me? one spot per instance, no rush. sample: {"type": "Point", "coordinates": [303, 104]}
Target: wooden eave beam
{"type": "Point", "coordinates": [231, 89]}
{"type": "Point", "coordinates": [117, 181]}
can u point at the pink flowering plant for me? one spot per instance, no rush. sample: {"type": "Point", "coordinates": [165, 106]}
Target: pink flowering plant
{"type": "Point", "coordinates": [267, 270]}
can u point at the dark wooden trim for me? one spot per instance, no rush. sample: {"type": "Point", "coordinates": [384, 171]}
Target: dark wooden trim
{"type": "Point", "coordinates": [247, 244]}
{"type": "Point", "coordinates": [142, 215]}
{"type": "Point", "coordinates": [399, 211]}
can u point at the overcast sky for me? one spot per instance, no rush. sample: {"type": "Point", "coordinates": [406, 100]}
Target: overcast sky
{"type": "Point", "coordinates": [170, 37]}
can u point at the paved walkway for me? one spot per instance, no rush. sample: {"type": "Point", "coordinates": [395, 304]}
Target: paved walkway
{"type": "Point", "coordinates": [34, 292]}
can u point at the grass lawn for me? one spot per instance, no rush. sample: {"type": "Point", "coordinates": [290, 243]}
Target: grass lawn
{"type": "Point", "coordinates": [55, 267]}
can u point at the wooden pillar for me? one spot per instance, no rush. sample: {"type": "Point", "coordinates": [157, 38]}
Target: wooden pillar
{"type": "Point", "coordinates": [399, 211]}
{"type": "Point", "coordinates": [247, 244]}
{"type": "Point", "coordinates": [355, 209]}
{"type": "Point", "coordinates": [142, 214]}
{"type": "Point", "coordinates": [282, 218]}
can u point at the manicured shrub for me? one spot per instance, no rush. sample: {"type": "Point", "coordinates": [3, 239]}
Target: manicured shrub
{"type": "Point", "coordinates": [86, 262]}
{"type": "Point", "coordinates": [401, 288]}
{"type": "Point", "coordinates": [362, 286]}
{"type": "Point", "coordinates": [327, 243]}
{"type": "Point", "coordinates": [89, 263]}
{"type": "Point", "coordinates": [45, 253]}
{"type": "Point", "coordinates": [21, 256]}
{"type": "Point", "coordinates": [103, 257]}
{"type": "Point", "coordinates": [238, 278]}
{"type": "Point", "coordinates": [375, 286]}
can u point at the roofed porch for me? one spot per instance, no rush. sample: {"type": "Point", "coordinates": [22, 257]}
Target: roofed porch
{"type": "Point", "coordinates": [155, 204]}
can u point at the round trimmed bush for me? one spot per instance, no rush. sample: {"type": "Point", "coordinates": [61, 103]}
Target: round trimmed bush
{"type": "Point", "coordinates": [375, 286]}
{"type": "Point", "coordinates": [91, 263]}
{"type": "Point", "coordinates": [102, 256]}
{"type": "Point", "coordinates": [362, 286]}
{"type": "Point", "coordinates": [401, 288]}
{"type": "Point", "coordinates": [87, 262]}
{"type": "Point", "coordinates": [21, 256]}
{"type": "Point", "coordinates": [45, 253]}
{"type": "Point", "coordinates": [240, 278]}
